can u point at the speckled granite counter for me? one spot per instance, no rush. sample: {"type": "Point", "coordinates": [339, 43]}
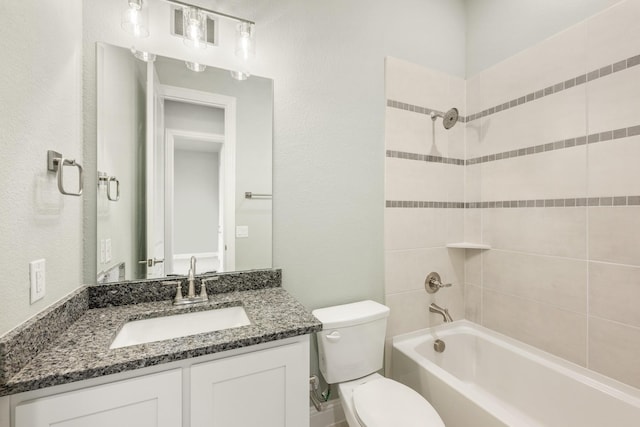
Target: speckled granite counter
{"type": "Point", "coordinates": [82, 351]}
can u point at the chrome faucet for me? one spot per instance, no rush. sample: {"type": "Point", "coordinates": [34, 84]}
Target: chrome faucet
{"type": "Point", "coordinates": [435, 308]}
{"type": "Point", "coordinates": [191, 277]}
{"type": "Point", "coordinates": [191, 297]}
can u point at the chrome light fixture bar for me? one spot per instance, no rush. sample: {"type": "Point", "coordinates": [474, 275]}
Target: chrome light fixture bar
{"type": "Point", "coordinates": [209, 11]}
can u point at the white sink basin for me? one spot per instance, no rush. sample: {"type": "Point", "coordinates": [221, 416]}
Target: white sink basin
{"type": "Point", "coordinates": [179, 325]}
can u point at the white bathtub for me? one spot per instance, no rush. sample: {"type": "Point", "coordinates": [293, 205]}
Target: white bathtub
{"type": "Point", "coordinates": [487, 379]}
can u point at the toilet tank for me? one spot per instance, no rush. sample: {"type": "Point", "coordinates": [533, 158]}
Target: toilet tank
{"type": "Point", "coordinates": [351, 343]}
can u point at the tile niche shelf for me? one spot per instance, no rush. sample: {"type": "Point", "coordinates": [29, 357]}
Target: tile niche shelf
{"type": "Point", "coordinates": [468, 245]}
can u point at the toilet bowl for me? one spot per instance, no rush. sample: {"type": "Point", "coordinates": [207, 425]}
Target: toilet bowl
{"type": "Point", "coordinates": [376, 401]}
{"type": "Point", "coordinates": [350, 350]}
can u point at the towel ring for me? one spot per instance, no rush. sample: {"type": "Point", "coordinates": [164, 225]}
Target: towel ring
{"type": "Point", "coordinates": [56, 163]}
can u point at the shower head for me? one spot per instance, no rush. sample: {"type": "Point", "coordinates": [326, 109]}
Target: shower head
{"type": "Point", "coordinates": [449, 118]}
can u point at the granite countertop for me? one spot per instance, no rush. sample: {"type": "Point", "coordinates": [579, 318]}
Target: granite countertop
{"type": "Point", "coordinates": [82, 350]}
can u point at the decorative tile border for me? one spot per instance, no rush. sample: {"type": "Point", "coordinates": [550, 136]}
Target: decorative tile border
{"type": "Point", "coordinates": [423, 204]}
{"type": "Point", "coordinates": [558, 87]}
{"type": "Point", "coordinates": [559, 145]}
{"type": "Point", "coordinates": [425, 157]}
{"type": "Point", "coordinates": [418, 109]}
{"type": "Point", "coordinates": [555, 88]}
{"type": "Point", "coordinates": [531, 203]}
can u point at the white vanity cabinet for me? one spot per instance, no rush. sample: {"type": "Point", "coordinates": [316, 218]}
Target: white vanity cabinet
{"type": "Point", "coordinates": [266, 388]}
{"type": "Point", "coordinates": [149, 401]}
{"type": "Point", "coordinates": [263, 385]}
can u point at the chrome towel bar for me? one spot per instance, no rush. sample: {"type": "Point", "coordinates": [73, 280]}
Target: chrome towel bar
{"type": "Point", "coordinates": [250, 195]}
{"type": "Point", "coordinates": [56, 163]}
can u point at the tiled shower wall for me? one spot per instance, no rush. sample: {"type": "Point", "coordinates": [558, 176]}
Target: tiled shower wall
{"type": "Point", "coordinates": [545, 168]}
{"type": "Point", "coordinates": [424, 189]}
{"type": "Point", "coordinates": [553, 185]}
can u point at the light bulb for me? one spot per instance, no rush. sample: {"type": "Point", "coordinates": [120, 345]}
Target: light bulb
{"type": "Point", "coordinates": [195, 29]}
{"type": "Point", "coordinates": [245, 40]}
{"type": "Point", "coordinates": [134, 19]}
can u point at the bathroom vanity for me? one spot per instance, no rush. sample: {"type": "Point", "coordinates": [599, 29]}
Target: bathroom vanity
{"type": "Point", "coordinates": [256, 374]}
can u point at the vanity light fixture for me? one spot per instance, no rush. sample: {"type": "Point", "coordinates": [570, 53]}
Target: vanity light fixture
{"type": "Point", "coordinates": [134, 19]}
{"type": "Point", "coordinates": [194, 66]}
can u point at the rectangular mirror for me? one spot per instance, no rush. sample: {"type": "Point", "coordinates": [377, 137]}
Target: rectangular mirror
{"type": "Point", "coordinates": [184, 168]}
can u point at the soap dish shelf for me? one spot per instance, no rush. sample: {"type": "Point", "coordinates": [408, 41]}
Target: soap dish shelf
{"type": "Point", "coordinates": [468, 245]}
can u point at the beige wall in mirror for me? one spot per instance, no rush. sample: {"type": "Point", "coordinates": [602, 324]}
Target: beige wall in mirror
{"type": "Point", "coordinates": [176, 152]}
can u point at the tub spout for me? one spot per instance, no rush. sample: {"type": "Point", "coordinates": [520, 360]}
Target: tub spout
{"type": "Point", "coordinates": [435, 308]}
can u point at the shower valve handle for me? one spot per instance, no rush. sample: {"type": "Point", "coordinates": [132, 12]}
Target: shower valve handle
{"type": "Point", "coordinates": [433, 283]}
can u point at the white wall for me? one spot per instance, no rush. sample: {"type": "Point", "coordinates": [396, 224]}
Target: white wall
{"type": "Point", "coordinates": [41, 109]}
{"type": "Point", "coordinates": [498, 29]}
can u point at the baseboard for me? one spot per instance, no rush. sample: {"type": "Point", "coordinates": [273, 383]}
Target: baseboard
{"type": "Point", "coordinates": [332, 416]}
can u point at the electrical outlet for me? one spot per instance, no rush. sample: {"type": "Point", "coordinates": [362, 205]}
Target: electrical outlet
{"type": "Point", "coordinates": [37, 279]}
{"type": "Point", "coordinates": [107, 250]}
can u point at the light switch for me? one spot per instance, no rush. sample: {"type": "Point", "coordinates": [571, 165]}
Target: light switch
{"type": "Point", "coordinates": [242, 231]}
{"type": "Point", "coordinates": [102, 251]}
{"type": "Point", "coordinates": [107, 250]}
{"type": "Point", "coordinates": [37, 279]}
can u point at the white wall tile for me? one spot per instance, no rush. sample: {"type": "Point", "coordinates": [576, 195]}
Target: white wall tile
{"type": "Point", "coordinates": [420, 180]}
{"type": "Point", "coordinates": [614, 292]}
{"type": "Point", "coordinates": [613, 34]}
{"type": "Point", "coordinates": [613, 167]}
{"type": "Point", "coordinates": [555, 60]}
{"type": "Point", "coordinates": [409, 312]}
{"type": "Point", "coordinates": [556, 117]}
{"type": "Point", "coordinates": [545, 231]}
{"type": "Point", "coordinates": [406, 270]}
{"type": "Point", "coordinates": [407, 131]}
{"type": "Point", "coordinates": [473, 303]}
{"type": "Point", "coordinates": [614, 349]}
{"type": "Point", "coordinates": [548, 175]}
{"type": "Point", "coordinates": [415, 228]}
{"type": "Point", "coordinates": [614, 100]}
{"type": "Point", "coordinates": [614, 234]}
{"type": "Point", "coordinates": [561, 332]}
{"type": "Point", "coordinates": [561, 282]}
{"type": "Point", "coordinates": [473, 225]}
{"type": "Point", "coordinates": [473, 267]}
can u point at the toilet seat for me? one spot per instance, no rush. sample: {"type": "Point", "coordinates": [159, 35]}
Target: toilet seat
{"type": "Point", "coordinates": [384, 402]}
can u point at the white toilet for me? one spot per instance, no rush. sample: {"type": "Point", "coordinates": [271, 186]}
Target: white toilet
{"type": "Point", "coordinates": [350, 348]}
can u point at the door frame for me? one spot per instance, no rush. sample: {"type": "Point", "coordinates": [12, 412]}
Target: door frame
{"type": "Point", "coordinates": [227, 167]}
{"type": "Point", "coordinates": [169, 188]}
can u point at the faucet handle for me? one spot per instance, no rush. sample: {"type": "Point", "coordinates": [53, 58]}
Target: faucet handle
{"type": "Point", "coordinates": [178, 284]}
{"type": "Point", "coordinates": [433, 283]}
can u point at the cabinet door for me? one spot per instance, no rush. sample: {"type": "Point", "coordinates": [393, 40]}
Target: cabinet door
{"type": "Point", "coordinates": [266, 388]}
{"type": "Point", "coordinates": [150, 401]}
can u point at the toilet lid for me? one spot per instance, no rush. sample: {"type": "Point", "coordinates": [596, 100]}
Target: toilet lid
{"type": "Point", "coordinates": [384, 402]}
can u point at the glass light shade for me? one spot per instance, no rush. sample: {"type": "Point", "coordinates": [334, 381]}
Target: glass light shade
{"type": "Point", "coordinates": [135, 19]}
{"type": "Point", "coordinates": [245, 40]}
{"type": "Point", "coordinates": [240, 75]}
{"type": "Point", "coordinates": [194, 66]}
{"type": "Point", "coordinates": [194, 27]}
{"type": "Point", "coordinates": [142, 55]}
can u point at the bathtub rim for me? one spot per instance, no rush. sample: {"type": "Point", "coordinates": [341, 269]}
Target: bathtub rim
{"type": "Point", "coordinates": [607, 385]}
